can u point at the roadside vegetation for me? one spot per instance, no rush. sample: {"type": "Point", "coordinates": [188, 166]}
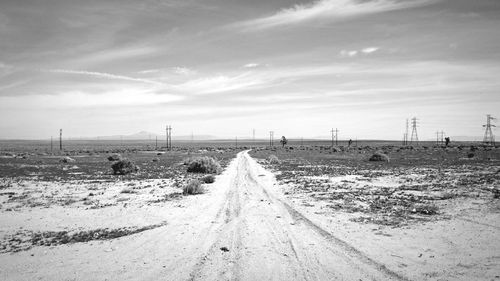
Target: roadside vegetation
{"type": "Point", "coordinates": [386, 184]}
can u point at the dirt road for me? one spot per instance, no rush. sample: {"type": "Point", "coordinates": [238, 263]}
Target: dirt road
{"type": "Point", "coordinates": [240, 230]}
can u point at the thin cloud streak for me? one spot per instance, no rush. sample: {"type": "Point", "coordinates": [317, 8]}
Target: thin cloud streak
{"type": "Point", "coordinates": [104, 75]}
{"type": "Point", "coordinates": [328, 10]}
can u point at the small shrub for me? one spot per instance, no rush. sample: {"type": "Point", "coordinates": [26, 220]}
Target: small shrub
{"type": "Point", "coordinates": [205, 165]}
{"type": "Point", "coordinates": [470, 155]}
{"type": "Point", "coordinates": [124, 167]}
{"type": "Point", "coordinates": [128, 190]}
{"type": "Point", "coordinates": [379, 157]}
{"type": "Point", "coordinates": [193, 187]}
{"type": "Point", "coordinates": [115, 157]}
{"type": "Point", "coordinates": [425, 209]}
{"type": "Point", "coordinates": [67, 159]}
{"type": "Point", "coordinates": [208, 179]}
{"type": "Point", "coordinates": [335, 149]}
{"type": "Point", "coordinates": [496, 193]}
{"type": "Point", "coordinates": [273, 159]}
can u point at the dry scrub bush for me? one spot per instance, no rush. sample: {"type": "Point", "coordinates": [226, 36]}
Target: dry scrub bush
{"type": "Point", "coordinates": [124, 167]}
{"type": "Point", "coordinates": [128, 190]}
{"type": "Point", "coordinates": [273, 159]}
{"type": "Point", "coordinates": [67, 159]}
{"type": "Point", "coordinates": [193, 187]}
{"type": "Point", "coordinates": [115, 157]}
{"type": "Point", "coordinates": [425, 209]}
{"type": "Point", "coordinates": [379, 156]}
{"type": "Point", "coordinates": [208, 179]}
{"type": "Point", "coordinates": [205, 165]}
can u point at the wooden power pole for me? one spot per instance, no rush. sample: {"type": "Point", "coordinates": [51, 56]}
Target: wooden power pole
{"type": "Point", "coordinates": [60, 139]}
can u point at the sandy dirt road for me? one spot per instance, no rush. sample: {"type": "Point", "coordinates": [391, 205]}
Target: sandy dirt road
{"type": "Point", "coordinates": [240, 230]}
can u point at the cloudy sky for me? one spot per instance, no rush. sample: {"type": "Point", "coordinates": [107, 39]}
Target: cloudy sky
{"type": "Point", "coordinates": [224, 67]}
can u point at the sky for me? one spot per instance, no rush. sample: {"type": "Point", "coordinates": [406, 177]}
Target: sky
{"type": "Point", "coordinates": [226, 67]}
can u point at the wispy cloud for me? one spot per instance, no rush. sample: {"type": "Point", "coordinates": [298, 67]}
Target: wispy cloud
{"type": "Point", "coordinates": [329, 10]}
{"type": "Point", "coordinates": [222, 83]}
{"type": "Point", "coordinates": [104, 75]}
{"type": "Point", "coordinates": [347, 53]}
{"type": "Point", "coordinates": [251, 65]}
{"type": "Point", "coordinates": [353, 53]}
{"type": "Point", "coordinates": [369, 50]}
{"type": "Point", "coordinates": [114, 54]}
{"type": "Point", "coordinates": [183, 70]}
{"type": "Point", "coordinates": [13, 85]}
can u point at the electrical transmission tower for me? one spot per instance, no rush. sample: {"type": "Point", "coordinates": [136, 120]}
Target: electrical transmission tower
{"type": "Point", "coordinates": [335, 136]}
{"type": "Point", "coordinates": [168, 130]}
{"type": "Point", "coordinates": [414, 134]}
{"type": "Point", "coordinates": [489, 138]}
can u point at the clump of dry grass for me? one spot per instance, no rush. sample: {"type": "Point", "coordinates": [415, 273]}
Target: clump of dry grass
{"type": "Point", "coordinates": [193, 187]}
{"type": "Point", "coordinates": [67, 159]}
{"type": "Point", "coordinates": [208, 179]}
{"type": "Point", "coordinates": [273, 159]}
{"type": "Point", "coordinates": [425, 209]}
{"type": "Point", "coordinates": [379, 156]}
{"type": "Point", "coordinates": [204, 164]}
{"type": "Point", "coordinates": [124, 167]}
{"type": "Point", "coordinates": [128, 190]}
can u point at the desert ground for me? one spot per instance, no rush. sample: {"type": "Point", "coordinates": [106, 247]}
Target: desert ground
{"type": "Point", "coordinates": [302, 212]}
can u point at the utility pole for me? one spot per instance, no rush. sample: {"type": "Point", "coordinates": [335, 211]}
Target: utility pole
{"type": "Point", "coordinates": [60, 139]}
{"type": "Point", "coordinates": [156, 143]}
{"type": "Point", "coordinates": [271, 138]}
{"type": "Point", "coordinates": [414, 134]}
{"type": "Point", "coordinates": [51, 144]}
{"type": "Point", "coordinates": [437, 138]}
{"type": "Point", "coordinates": [236, 142]}
{"type": "Point", "coordinates": [442, 137]}
{"type": "Point", "coordinates": [302, 141]}
{"type": "Point", "coordinates": [489, 138]}
{"type": "Point", "coordinates": [169, 137]}
{"type": "Point", "coordinates": [405, 135]}
{"type": "Point", "coordinates": [332, 131]}
{"type": "Point", "coordinates": [335, 136]}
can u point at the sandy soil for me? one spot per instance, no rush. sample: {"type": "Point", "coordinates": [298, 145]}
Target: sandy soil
{"type": "Point", "coordinates": [243, 228]}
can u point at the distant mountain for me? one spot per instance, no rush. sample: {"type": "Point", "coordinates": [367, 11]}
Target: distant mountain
{"type": "Point", "coordinates": [462, 138]}
{"type": "Point", "coordinates": [144, 135]}
{"type": "Point", "coordinates": [466, 138]}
